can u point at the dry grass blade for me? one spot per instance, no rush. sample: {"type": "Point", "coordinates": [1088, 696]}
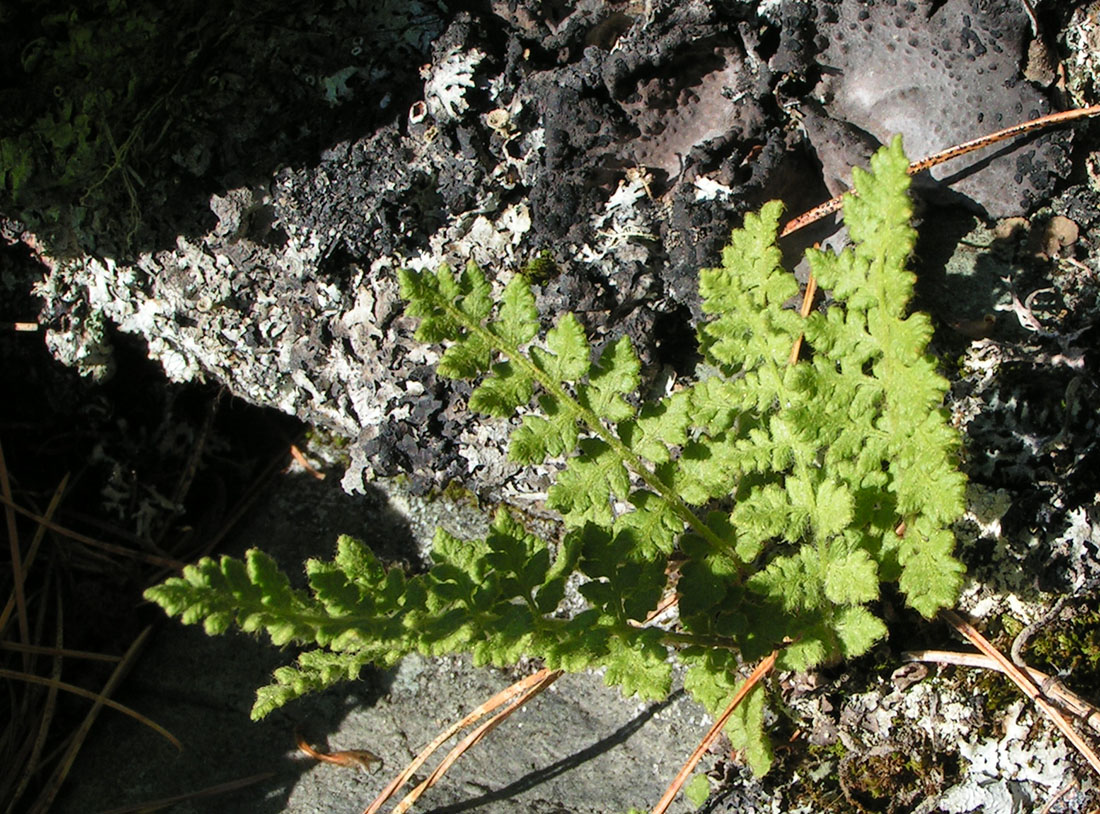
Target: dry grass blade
{"type": "Point", "coordinates": [47, 795]}
{"type": "Point", "coordinates": [497, 700]}
{"type": "Point", "coordinates": [91, 541]}
{"type": "Point", "coordinates": [473, 739]}
{"type": "Point", "coordinates": [26, 770]}
{"type": "Point", "coordinates": [17, 573]}
{"type": "Point", "coordinates": [209, 791]}
{"type": "Point", "coordinates": [833, 204]}
{"type": "Point", "coordinates": [1026, 685]}
{"type": "Point", "coordinates": [762, 669]}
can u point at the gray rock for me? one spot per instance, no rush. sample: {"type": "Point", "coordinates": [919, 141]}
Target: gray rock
{"type": "Point", "coordinates": [577, 748]}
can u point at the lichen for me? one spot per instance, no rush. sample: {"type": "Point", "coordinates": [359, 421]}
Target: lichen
{"type": "Point", "coordinates": [941, 74]}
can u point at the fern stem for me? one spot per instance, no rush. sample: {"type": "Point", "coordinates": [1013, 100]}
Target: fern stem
{"type": "Point", "coordinates": [680, 639]}
{"type": "Point", "coordinates": [596, 426]}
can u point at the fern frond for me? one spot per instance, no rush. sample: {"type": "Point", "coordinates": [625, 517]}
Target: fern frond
{"type": "Point", "coordinates": [788, 492]}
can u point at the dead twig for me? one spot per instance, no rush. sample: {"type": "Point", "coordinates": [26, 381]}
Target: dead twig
{"type": "Point", "coordinates": [762, 669]}
{"type": "Point", "coordinates": [1065, 790]}
{"type": "Point", "coordinates": [1026, 685]}
{"type": "Point", "coordinates": [833, 204]}
{"type": "Point", "coordinates": [1024, 636]}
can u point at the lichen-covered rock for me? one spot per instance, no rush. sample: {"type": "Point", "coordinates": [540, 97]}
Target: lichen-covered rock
{"type": "Point", "coordinates": [939, 74]}
{"type": "Point", "coordinates": [611, 146]}
{"type": "Point", "coordinates": [614, 143]}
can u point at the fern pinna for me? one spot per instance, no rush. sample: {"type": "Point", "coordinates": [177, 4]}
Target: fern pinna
{"type": "Point", "coordinates": [776, 497]}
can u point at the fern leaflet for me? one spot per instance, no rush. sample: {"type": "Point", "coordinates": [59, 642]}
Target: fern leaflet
{"type": "Point", "coordinates": [788, 492]}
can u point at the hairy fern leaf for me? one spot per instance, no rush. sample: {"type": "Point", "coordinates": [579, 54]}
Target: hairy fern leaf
{"type": "Point", "coordinates": [781, 494]}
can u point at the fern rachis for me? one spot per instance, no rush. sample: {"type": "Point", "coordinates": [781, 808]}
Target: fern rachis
{"type": "Point", "coordinates": [779, 487]}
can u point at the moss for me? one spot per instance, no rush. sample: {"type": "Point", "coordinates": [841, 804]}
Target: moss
{"type": "Point", "coordinates": [456, 492]}
{"type": "Point", "coordinates": [997, 689]}
{"type": "Point", "coordinates": [1070, 649]}
{"type": "Point", "coordinates": [332, 446]}
{"type": "Point", "coordinates": [999, 693]}
{"type": "Point", "coordinates": [327, 438]}
{"type": "Point", "coordinates": [820, 788]}
{"type": "Point", "coordinates": [894, 781]}
{"type": "Point", "coordinates": [71, 150]}
{"type": "Point", "coordinates": [541, 269]}
{"type": "Point", "coordinates": [834, 779]}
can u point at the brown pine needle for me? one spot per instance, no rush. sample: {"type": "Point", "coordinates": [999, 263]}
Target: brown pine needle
{"type": "Point", "coordinates": [1050, 686]}
{"type": "Point", "coordinates": [804, 311]}
{"type": "Point", "coordinates": [14, 675]}
{"type": "Point", "coordinates": [497, 700]}
{"type": "Point", "coordinates": [39, 535]}
{"type": "Point", "coordinates": [361, 759]}
{"type": "Point", "coordinates": [40, 650]}
{"type": "Point", "coordinates": [474, 738]}
{"type": "Point", "coordinates": [45, 799]}
{"type": "Point", "coordinates": [833, 204]}
{"type": "Point", "coordinates": [29, 768]}
{"type": "Point", "coordinates": [1026, 685]}
{"type": "Point", "coordinates": [300, 457]}
{"type": "Point", "coordinates": [762, 669]}
{"type": "Point", "coordinates": [90, 541]}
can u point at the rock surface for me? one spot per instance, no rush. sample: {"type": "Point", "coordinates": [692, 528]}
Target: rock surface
{"type": "Point", "coordinates": [618, 142]}
{"type": "Point", "coordinates": [577, 748]}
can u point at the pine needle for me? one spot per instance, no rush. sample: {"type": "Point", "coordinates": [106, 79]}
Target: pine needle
{"type": "Point", "coordinates": [833, 204]}
{"type": "Point", "coordinates": [540, 680]}
{"type": "Point", "coordinates": [1026, 684]}
{"type": "Point", "coordinates": [757, 675]}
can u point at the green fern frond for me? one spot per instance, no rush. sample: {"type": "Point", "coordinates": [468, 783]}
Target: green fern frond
{"type": "Point", "coordinates": [788, 492]}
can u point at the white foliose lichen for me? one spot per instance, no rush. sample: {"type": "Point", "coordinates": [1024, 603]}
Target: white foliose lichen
{"type": "Point", "coordinates": [447, 83]}
{"type": "Point", "coordinates": [263, 333]}
{"type": "Point", "coordinates": [1012, 774]}
{"type": "Point", "coordinates": [1082, 38]}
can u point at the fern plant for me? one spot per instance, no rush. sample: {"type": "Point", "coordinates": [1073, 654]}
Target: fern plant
{"type": "Point", "coordinates": [778, 496]}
